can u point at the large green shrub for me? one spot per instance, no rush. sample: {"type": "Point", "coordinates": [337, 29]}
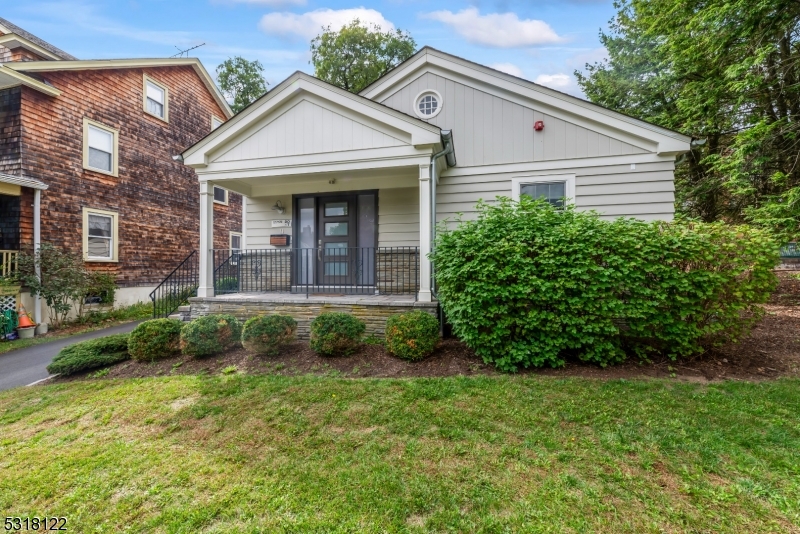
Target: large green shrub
{"type": "Point", "coordinates": [527, 284]}
{"type": "Point", "coordinates": [210, 334]}
{"type": "Point", "coordinates": [90, 354]}
{"type": "Point", "coordinates": [336, 334]}
{"type": "Point", "coordinates": [268, 334]}
{"type": "Point", "coordinates": [156, 339]}
{"type": "Point", "coordinates": [412, 336]}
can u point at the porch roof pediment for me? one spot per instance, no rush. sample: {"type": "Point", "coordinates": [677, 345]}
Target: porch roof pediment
{"type": "Point", "coordinates": [304, 116]}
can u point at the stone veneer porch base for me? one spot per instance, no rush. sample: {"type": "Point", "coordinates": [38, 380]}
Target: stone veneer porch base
{"type": "Point", "coordinates": [372, 309]}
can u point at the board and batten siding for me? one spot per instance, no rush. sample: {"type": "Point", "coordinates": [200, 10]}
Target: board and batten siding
{"type": "Point", "coordinates": [398, 218]}
{"type": "Point", "coordinates": [647, 192]}
{"type": "Point", "coordinates": [491, 130]}
{"type": "Point", "coordinates": [308, 128]}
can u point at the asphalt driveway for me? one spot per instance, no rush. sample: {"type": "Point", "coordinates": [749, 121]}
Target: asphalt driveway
{"type": "Point", "coordinates": [25, 366]}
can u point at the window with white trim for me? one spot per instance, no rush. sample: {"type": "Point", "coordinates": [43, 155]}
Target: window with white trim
{"type": "Point", "coordinates": [100, 233]}
{"type": "Point", "coordinates": [552, 189]}
{"type": "Point", "coordinates": [236, 241]}
{"type": "Point", "coordinates": [220, 195]}
{"type": "Point", "coordinates": [216, 122]}
{"type": "Point", "coordinates": [155, 98]}
{"type": "Point", "coordinates": [99, 147]}
{"type": "Point", "coordinates": [428, 104]}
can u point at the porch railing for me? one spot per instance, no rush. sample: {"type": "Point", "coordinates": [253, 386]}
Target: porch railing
{"type": "Point", "coordinates": [308, 271]}
{"type": "Point", "coordinates": [177, 287]}
{"type": "Point", "coordinates": [790, 250]}
{"type": "Point", "coordinates": [8, 262]}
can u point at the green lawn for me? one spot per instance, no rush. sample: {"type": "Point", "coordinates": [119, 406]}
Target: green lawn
{"type": "Point", "coordinates": [489, 454]}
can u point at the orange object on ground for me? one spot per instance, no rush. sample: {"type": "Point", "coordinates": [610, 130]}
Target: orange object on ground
{"type": "Point", "coordinates": [24, 320]}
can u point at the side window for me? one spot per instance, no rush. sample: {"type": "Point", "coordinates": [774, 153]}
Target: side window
{"type": "Point", "coordinates": [156, 99]}
{"type": "Point", "coordinates": [553, 189]}
{"type": "Point", "coordinates": [220, 195]}
{"type": "Point", "coordinates": [100, 147]}
{"type": "Point", "coordinates": [100, 235]}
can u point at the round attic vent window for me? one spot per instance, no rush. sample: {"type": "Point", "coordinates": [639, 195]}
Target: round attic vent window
{"type": "Point", "coordinates": [428, 104]}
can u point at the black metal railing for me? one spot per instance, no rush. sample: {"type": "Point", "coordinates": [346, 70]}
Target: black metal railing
{"type": "Point", "coordinates": [177, 287]}
{"type": "Point", "coordinates": [359, 270]}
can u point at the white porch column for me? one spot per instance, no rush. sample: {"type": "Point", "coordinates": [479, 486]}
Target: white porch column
{"type": "Point", "coordinates": [424, 233]}
{"type": "Point", "coordinates": [206, 287]}
{"type": "Point", "coordinates": [37, 244]}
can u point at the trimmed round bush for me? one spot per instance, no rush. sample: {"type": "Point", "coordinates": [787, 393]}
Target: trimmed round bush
{"type": "Point", "coordinates": [528, 284]}
{"type": "Point", "coordinates": [268, 334]}
{"type": "Point", "coordinates": [412, 336]}
{"type": "Point", "coordinates": [90, 354]}
{"type": "Point", "coordinates": [155, 340]}
{"type": "Point", "coordinates": [210, 334]}
{"type": "Point", "coordinates": [336, 334]}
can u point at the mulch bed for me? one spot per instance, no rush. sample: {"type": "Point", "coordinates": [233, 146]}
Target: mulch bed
{"type": "Point", "coordinates": [771, 351]}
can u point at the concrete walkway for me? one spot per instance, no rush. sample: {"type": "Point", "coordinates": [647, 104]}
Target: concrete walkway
{"type": "Point", "coordinates": [25, 366]}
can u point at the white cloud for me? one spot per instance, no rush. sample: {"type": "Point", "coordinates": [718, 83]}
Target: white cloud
{"type": "Point", "coordinates": [309, 25]}
{"type": "Point", "coordinates": [267, 3]}
{"type": "Point", "coordinates": [508, 68]}
{"type": "Point", "coordinates": [501, 30]}
{"type": "Point", "coordinates": [596, 55]}
{"type": "Point", "coordinates": [560, 82]}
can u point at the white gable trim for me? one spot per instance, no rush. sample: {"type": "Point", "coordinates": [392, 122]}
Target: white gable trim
{"type": "Point", "coordinates": [581, 112]}
{"type": "Point", "coordinates": [418, 132]}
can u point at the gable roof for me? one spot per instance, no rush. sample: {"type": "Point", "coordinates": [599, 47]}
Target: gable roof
{"type": "Point", "coordinates": [11, 78]}
{"type": "Point", "coordinates": [669, 141]}
{"type": "Point", "coordinates": [99, 64]}
{"type": "Point", "coordinates": [420, 131]}
{"type": "Point", "coordinates": [26, 38]}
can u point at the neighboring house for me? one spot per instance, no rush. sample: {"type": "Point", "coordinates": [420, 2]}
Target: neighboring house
{"type": "Point", "coordinates": [90, 144]}
{"type": "Point", "coordinates": [356, 177]}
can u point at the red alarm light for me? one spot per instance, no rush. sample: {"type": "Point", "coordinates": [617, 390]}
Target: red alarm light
{"type": "Point", "coordinates": [538, 126]}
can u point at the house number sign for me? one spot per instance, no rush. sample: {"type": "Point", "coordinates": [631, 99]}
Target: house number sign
{"type": "Point", "coordinates": [281, 223]}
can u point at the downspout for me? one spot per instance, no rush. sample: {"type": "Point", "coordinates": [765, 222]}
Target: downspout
{"type": "Point", "coordinates": [449, 153]}
{"type": "Point", "coordinates": [37, 244]}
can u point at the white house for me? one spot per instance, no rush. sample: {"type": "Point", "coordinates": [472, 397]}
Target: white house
{"type": "Point", "coordinates": [355, 181]}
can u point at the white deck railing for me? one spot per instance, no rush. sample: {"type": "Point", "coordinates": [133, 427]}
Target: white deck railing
{"type": "Point", "coordinates": [8, 262]}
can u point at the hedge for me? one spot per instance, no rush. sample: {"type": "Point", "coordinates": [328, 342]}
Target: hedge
{"type": "Point", "coordinates": [155, 339]}
{"type": "Point", "coordinates": [268, 334]}
{"type": "Point", "coordinates": [412, 336]}
{"type": "Point", "coordinates": [527, 284]}
{"type": "Point", "coordinates": [90, 354]}
{"type": "Point", "coordinates": [336, 334]}
{"type": "Point", "coordinates": [210, 334]}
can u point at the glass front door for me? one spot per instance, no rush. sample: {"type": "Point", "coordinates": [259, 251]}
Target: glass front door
{"type": "Point", "coordinates": [336, 229]}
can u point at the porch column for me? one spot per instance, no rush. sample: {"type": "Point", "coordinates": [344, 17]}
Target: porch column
{"type": "Point", "coordinates": [206, 282]}
{"type": "Point", "coordinates": [424, 233]}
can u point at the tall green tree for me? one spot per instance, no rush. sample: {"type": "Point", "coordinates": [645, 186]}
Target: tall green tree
{"type": "Point", "coordinates": [726, 72]}
{"type": "Point", "coordinates": [357, 55]}
{"type": "Point", "coordinates": [241, 81]}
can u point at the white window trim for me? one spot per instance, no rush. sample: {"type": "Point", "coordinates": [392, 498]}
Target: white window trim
{"type": "Point", "coordinates": [115, 147]}
{"type": "Point", "coordinates": [215, 118]}
{"type": "Point", "coordinates": [428, 92]}
{"type": "Point", "coordinates": [231, 235]}
{"type": "Point", "coordinates": [227, 195]}
{"type": "Point", "coordinates": [114, 235]}
{"type": "Point", "coordinates": [568, 179]}
{"type": "Point", "coordinates": [145, 80]}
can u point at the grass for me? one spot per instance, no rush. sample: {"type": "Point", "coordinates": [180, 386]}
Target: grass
{"type": "Point", "coordinates": [92, 321]}
{"type": "Point", "coordinates": [239, 453]}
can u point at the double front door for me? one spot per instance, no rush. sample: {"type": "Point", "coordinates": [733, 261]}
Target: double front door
{"type": "Point", "coordinates": [335, 239]}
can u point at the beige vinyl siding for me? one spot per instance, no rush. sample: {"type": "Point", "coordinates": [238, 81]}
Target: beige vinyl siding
{"type": "Point", "coordinates": [398, 218]}
{"type": "Point", "coordinates": [308, 128]}
{"type": "Point", "coordinates": [647, 192]}
{"type": "Point", "coordinates": [491, 130]}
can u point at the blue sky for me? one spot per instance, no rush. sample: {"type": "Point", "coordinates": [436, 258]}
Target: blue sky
{"type": "Point", "coordinates": [541, 40]}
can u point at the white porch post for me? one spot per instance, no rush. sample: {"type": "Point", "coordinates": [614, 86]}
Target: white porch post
{"type": "Point", "coordinates": [206, 287]}
{"type": "Point", "coordinates": [424, 233]}
{"type": "Point", "coordinates": [37, 244]}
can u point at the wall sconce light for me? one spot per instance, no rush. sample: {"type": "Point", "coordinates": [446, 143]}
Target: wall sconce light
{"type": "Point", "coordinates": [279, 207]}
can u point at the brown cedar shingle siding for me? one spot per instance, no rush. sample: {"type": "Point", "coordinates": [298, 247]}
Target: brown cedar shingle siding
{"type": "Point", "coordinates": [10, 162]}
{"type": "Point", "coordinates": [157, 199]}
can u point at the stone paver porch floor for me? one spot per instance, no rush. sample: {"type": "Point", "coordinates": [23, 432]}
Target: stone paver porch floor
{"type": "Point", "coordinates": [321, 298]}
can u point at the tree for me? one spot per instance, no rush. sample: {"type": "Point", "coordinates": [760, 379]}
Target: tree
{"type": "Point", "coordinates": [726, 72]}
{"type": "Point", "coordinates": [241, 81]}
{"type": "Point", "coordinates": [357, 55]}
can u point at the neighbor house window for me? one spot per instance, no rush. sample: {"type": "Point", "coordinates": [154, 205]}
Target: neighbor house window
{"type": "Point", "coordinates": [100, 235]}
{"type": "Point", "coordinates": [428, 104]}
{"type": "Point", "coordinates": [99, 147]}
{"type": "Point", "coordinates": [553, 189]}
{"type": "Point", "coordinates": [155, 98]}
{"type": "Point", "coordinates": [216, 122]}
{"type": "Point", "coordinates": [236, 241]}
{"type": "Point", "coordinates": [220, 195]}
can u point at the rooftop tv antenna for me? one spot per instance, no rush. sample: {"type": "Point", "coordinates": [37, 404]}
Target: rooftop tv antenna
{"type": "Point", "coordinates": [186, 51]}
